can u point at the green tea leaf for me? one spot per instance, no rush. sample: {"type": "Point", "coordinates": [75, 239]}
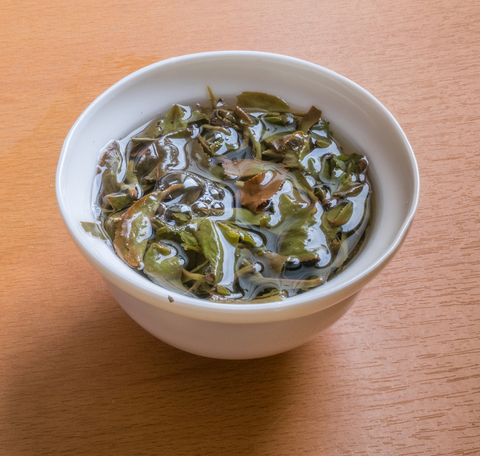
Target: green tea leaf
{"type": "Point", "coordinates": [243, 216]}
{"type": "Point", "coordinates": [323, 142]}
{"type": "Point", "coordinates": [218, 251]}
{"type": "Point", "coordinates": [276, 261]}
{"type": "Point", "coordinates": [197, 156]}
{"type": "Point", "coordinates": [189, 241]}
{"type": "Point", "coordinates": [209, 239]}
{"type": "Point", "coordinates": [112, 168]}
{"type": "Point", "coordinates": [300, 184]}
{"type": "Point", "coordinates": [146, 160]}
{"type": "Point", "coordinates": [275, 127]}
{"type": "Point", "coordinates": [256, 146]}
{"type": "Point", "coordinates": [164, 267]}
{"type": "Point", "coordinates": [213, 100]}
{"type": "Point", "coordinates": [298, 231]}
{"type": "Point", "coordinates": [340, 214]}
{"type": "Point", "coordinates": [220, 140]}
{"type": "Point", "coordinates": [130, 191]}
{"type": "Point", "coordinates": [349, 189]}
{"type": "Point", "coordinates": [174, 121]}
{"type": "Point", "coordinates": [295, 146]}
{"type": "Point", "coordinates": [262, 100]}
{"type": "Point", "coordinates": [195, 116]}
{"type": "Point", "coordinates": [131, 181]}
{"type": "Point", "coordinates": [184, 234]}
{"type": "Point", "coordinates": [246, 167]}
{"type": "Point", "coordinates": [95, 229]}
{"type": "Point", "coordinates": [168, 157]}
{"type": "Point", "coordinates": [111, 223]}
{"type": "Point", "coordinates": [320, 130]}
{"type": "Point", "coordinates": [120, 200]}
{"type": "Point", "coordinates": [235, 234]}
{"type": "Point", "coordinates": [311, 118]}
{"type": "Point", "coordinates": [289, 284]}
{"type": "Point", "coordinates": [356, 163]}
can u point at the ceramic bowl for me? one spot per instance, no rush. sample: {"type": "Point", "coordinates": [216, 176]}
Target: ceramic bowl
{"type": "Point", "coordinates": [237, 331]}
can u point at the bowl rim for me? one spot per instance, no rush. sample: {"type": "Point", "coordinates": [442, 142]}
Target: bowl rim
{"type": "Point", "coordinates": [294, 307]}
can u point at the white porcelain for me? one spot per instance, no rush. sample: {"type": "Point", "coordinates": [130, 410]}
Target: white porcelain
{"type": "Point", "coordinates": [237, 331]}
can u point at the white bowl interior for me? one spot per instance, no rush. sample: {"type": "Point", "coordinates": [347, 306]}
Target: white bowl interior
{"type": "Point", "coordinates": [358, 120]}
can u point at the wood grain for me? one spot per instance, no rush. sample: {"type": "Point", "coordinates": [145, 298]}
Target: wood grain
{"type": "Point", "coordinates": [398, 375]}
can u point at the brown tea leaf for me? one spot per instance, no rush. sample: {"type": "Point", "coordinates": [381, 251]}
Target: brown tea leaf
{"type": "Point", "coordinates": [259, 189]}
{"type": "Point", "coordinates": [134, 229]}
{"type": "Point", "coordinates": [242, 115]}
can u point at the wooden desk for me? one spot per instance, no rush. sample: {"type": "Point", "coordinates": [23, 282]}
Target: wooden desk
{"type": "Point", "coordinates": [398, 375]}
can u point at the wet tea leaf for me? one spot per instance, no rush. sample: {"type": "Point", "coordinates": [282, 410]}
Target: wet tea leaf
{"type": "Point", "coordinates": [259, 189]}
{"type": "Point", "coordinates": [120, 200]}
{"type": "Point", "coordinates": [263, 101]}
{"type": "Point", "coordinates": [311, 118]}
{"type": "Point", "coordinates": [95, 229]}
{"type": "Point", "coordinates": [243, 216]}
{"type": "Point", "coordinates": [111, 223]}
{"type": "Point", "coordinates": [112, 168]}
{"type": "Point", "coordinates": [164, 267]}
{"type": "Point", "coordinates": [242, 116]}
{"type": "Point", "coordinates": [340, 214]}
{"type": "Point", "coordinates": [217, 250]}
{"type": "Point", "coordinates": [213, 100]}
{"type": "Point", "coordinates": [247, 168]}
{"type": "Point", "coordinates": [174, 121]}
{"type": "Point", "coordinates": [135, 229]}
{"type": "Point", "coordinates": [294, 147]}
{"type": "Point", "coordinates": [235, 234]}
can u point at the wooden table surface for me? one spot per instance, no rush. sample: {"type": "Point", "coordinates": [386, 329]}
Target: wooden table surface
{"type": "Point", "coordinates": [398, 375]}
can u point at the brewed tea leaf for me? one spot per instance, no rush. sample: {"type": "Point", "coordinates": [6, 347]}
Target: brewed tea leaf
{"type": "Point", "coordinates": [217, 250]}
{"type": "Point", "coordinates": [311, 118]}
{"type": "Point", "coordinates": [174, 121]}
{"type": "Point", "coordinates": [247, 167]}
{"type": "Point", "coordinates": [112, 167]}
{"type": "Point", "coordinates": [135, 229]}
{"type": "Point", "coordinates": [111, 222]}
{"type": "Point", "coordinates": [259, 189]}
{"type": "Point", "coordinates": [263, 101]}
{"type": "Point", "coordinates": [340, 214]}
{"type": "Point", "coordinates": [120, 199]}
{"type": "Point", "coordinates": [164, 267]}
{"type": "Point", "coordinates": [95, 229]}
{"type": "Point", "coordinates": [213, 100]}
